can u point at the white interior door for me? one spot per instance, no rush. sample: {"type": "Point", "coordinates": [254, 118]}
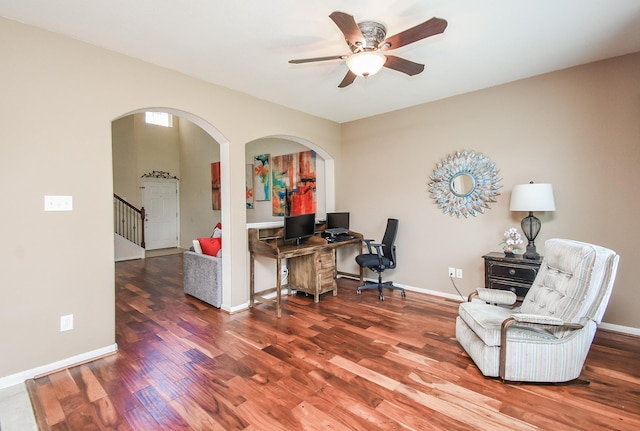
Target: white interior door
{"type": "Point", "coordinates": [160, 200]}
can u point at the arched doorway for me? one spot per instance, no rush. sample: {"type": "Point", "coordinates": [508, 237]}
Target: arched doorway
{"type": "Point", "coordinates": [202, 218]}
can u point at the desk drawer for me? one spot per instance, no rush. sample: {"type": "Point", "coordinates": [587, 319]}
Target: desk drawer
{"type": "Point", "coordinates": [326, 260]}
{"type": "Point", "coordinates": [515, 272]}
{"type": "Point", "coordinates": [325, 270]}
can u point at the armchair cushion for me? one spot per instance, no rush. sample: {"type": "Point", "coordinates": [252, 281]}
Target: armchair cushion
{"type": "Point", "coordinates": [562, 281]}
{"type": "Point", "coordinates": [484, 320]}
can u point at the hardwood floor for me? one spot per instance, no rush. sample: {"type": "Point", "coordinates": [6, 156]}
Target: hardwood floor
{"type": "Point", "coordinates": [346, 363]}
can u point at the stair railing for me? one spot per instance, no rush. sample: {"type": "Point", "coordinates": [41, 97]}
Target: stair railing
{"type": "Point", "coordinates": [128, 220]}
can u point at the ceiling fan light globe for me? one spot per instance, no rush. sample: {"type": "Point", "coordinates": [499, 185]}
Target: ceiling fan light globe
{"type": "Point", "coordinates": [366, 63]}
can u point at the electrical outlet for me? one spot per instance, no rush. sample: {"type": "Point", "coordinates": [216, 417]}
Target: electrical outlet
{"type": "Point", "coordinates": [452, 272]}
{"type": "Point", "coordinates": [459, 273]}
{"type": "Point", "coordinates": [66, 322]}
{"type": "Point", "coordinates": [283, 270]}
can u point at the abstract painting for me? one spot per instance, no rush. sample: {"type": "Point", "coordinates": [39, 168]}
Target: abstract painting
{"type": "Point", "coordinates": [293, 184]}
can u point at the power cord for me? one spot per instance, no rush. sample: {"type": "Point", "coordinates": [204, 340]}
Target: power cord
{"type": "Point", "coordinates": [456, 288]}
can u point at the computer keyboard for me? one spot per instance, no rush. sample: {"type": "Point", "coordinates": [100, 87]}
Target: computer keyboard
{"type": "Point", "coordinates": [340, 238]}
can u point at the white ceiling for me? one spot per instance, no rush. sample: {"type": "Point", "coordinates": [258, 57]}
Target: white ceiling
{"type": "Point", "coordinates": [246, 44]}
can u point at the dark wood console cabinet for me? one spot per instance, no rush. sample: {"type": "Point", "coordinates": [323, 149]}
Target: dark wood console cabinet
{"type": "Point", "coordinates": [510, 273]}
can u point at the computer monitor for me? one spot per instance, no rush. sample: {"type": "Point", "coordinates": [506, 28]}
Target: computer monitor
{"type": "Point", "coordinates": [299, 227]}
{"type": "Point", "coordinates": [338, 220]}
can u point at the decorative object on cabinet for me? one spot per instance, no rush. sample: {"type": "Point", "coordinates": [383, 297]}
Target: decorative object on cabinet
{"type": "Point", "coordinates": [513, 273]}
{"type": "Point", "coordinates": [547, 337]}
{"type": "Point", "coordinates": [464, 183]}
{"type": "Point", "coordinates": [532, 197]}
{"type": "Point", "coordinates": [511, 240]}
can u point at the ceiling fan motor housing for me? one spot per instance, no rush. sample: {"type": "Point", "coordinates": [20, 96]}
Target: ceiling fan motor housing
{"type": "Point", "coordinates": [374, 34]}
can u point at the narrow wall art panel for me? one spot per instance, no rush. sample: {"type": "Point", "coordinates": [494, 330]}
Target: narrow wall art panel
{"type": "Point", "coordinates": [215, 186]}
{"type": "Point", "coordinates": [262, 177]}
{"type": "Point", "coordinates": [249, 185]}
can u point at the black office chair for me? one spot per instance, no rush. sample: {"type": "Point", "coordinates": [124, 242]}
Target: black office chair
{"type": "Point", "coordinates": [383, 258]}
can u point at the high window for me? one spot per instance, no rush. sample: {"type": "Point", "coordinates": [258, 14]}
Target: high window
{"type": "Point", "coordinates": [159, 119]}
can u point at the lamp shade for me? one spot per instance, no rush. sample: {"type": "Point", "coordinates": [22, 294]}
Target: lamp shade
{"type": "Point", "coordinates": [366, 63]}
{"type": "Point", "coordinates": [532, 197]}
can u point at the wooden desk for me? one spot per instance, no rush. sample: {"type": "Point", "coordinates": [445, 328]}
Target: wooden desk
{"type": "Point", "coordinates": [311, 266]}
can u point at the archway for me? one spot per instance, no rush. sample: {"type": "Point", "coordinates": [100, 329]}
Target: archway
{"type": "Point", "coordinates": [328, 174]}
{"type": "Point", "coordinates": [223, 144]}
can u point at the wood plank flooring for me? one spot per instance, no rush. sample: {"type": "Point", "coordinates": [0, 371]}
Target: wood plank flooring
{"type": "Point", "coordinates": [349, 362]}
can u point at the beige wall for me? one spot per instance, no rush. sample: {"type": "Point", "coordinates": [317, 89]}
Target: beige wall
{"type": "Point", "coordinates": [126, 174]}
{"type": "Point", "coordinates": [62, 263]}
{"type": "Point", "coordinates": [578, 129]}
{"type": "Point", "coordinates": [197, 151]}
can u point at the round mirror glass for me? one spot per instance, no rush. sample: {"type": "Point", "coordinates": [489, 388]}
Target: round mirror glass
{"type": "Point", "coordinates": [462, 184]}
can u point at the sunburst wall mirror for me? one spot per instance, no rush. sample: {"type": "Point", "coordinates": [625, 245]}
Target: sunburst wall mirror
{"type": "Point", "coordinates": [464, 183]}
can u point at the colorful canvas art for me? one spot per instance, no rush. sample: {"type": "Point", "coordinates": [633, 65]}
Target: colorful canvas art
{"type": "Point", "coordinates": [262, 177]}
{"type": "Point", "coordinates": [215, 186]}
{"type": "Point", "coordinates": [293, 184]}
{"type": "Point", "coordinates": [249, 185]}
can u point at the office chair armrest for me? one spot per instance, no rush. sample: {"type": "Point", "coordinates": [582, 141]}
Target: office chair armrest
{"type": "Point", "coordinates": [368, 242]}
{"type": "Point", "coordinates": [378, 248]}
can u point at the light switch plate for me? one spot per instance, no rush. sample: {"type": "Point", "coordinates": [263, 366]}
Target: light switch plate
{"type": "Point", "coordinates": [58, 203]}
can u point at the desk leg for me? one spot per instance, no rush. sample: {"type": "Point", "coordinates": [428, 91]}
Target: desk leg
{"type": "Point", "coordinates": [278, 287]}
{"type": "Point", "coordinates": [334, 256]}
{"type": "Point", "coordinates": [361, 268]}
{"type": "Point", "coordinates": [252, 286]}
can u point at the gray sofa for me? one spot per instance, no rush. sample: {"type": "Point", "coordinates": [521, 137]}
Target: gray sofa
{"type": "Point", "coordinates": [203, 277]}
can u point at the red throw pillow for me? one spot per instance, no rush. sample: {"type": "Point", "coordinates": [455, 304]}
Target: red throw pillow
{"type": "Point", "coordinates": [210, 246]}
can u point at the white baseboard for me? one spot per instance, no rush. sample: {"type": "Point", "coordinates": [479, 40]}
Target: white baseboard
{"type": "Point", "coordinates": [21, 377]}
{"type": "Point", "coordinates": [618, 328]}
{"type": "Point", "coordinates": [608, 326]}
{"type": "Point", "coordinates": [629, 330]}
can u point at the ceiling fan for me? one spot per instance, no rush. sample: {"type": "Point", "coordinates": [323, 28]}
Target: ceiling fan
{"type": "Point", "coordinates": [368, 42]}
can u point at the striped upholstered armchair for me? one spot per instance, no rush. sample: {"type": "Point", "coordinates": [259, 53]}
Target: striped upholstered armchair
{"type": "Point", "coordinates": [548, 336]}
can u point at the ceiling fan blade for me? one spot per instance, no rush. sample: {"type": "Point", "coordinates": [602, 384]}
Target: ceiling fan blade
{"type": "Point", "coordinates": [402, 65]}
{"type": "Point", "coordinates": [348, 79]}
{"type": "Point", "coordinates": [413, 34]}
{"type": "Point", "coordinates": [348, 26]}
{"type": "Point", "coordinates": [310, 60]}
